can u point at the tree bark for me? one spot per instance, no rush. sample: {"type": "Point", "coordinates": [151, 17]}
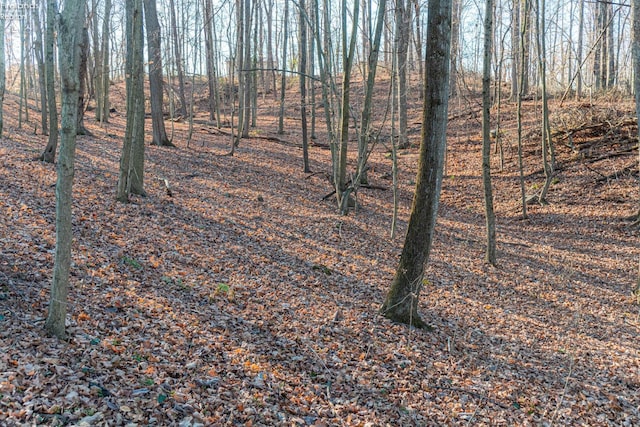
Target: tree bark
{"type": "Point", "coordinates": [182, 109]}
{"type": "Point", "coordinates": [2, 72]}
{"type": "Point", "coordinates": [635, 49]}
{"type": "Point", "coordinates": [303, 85]}
{"type": "Point", "coordinates": [49, 154]}
{"type": "Point", "coordinates": [70, 38]}
{"type": "Point", "coordinates": [155, 75]}
{"type": "Point", "coordinates": [490, 218]}
{"type": "Point", "coordinates": [132, 160]}
{"type": "Point", "coordinates": [84, 55]}
{"type": "Point", "coordinates": [401, 303]}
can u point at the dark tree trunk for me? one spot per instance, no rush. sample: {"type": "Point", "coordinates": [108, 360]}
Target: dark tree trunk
{"type": "Point", "coordinates": [401, 304]}
{"type": "Point", "coordinates": [84, 55]}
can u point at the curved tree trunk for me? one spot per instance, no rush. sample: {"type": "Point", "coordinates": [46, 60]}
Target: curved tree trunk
{"type": "Point", "coordinates": [401, 304]}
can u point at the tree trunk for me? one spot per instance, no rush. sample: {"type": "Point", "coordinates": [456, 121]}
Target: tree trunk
{"type": "Point", "coordinates": [283, 78]}
{"type": "Point", "coordinates": [401, 303]}
{"type": "Point", "coordinates": [155, 75]}
{"type": "Point", "coordinates": [402, 44]}
{"type": "Point", "coordinates": [455, 37]}
{"type": "Point", "coordinates": [105, 81]}
{"type": "Point", "coordinates": [348, 55]}
{"type": "Point", "coordinates": [490, 218]}
{"type": "Point", "coordinates": [182, 109]}
{"type": "Point", "coordinates": [44, 111]}
{"type": "Point", "coordinates": [84, 55]}
{"type": "Point", "coordinates": [132, 159]}
{"type": "Point", "coordinates": [303, 85]}
{"type": "Point", "coordinates": [579, 52]}
{"type": "Point", "coordinates": [208, 43]}
{"type": "Point", "coordinates": [49, 154]}
{"type": "Point", "coordinates": [546, 127]}
{"type": "Point", "coordinates": [635, 49]}
{"type": "Point", "coordinates": [521, 87]}
{"type": "Point", "coordinates": [2, 71]}
{"type": "Point", "coordinates": [70, 36]}
{"type": "Point", "coordinates": [365, 122]}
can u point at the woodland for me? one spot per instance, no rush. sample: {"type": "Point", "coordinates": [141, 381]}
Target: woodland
{"type": "Point", "coordinates": [196, 231]}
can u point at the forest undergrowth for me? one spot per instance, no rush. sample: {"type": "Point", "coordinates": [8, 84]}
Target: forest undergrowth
{"type": "Point", "coordinates": [245, 299]}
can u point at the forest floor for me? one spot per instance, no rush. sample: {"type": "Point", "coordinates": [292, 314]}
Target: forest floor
{"type": "Point", "coordinates": [245, 299]}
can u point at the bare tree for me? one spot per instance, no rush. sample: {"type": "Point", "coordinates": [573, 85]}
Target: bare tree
{"type": "Point", "coordinates": [49, 153]}
{"type": "Point", "coordinates": [490, 218]}
{"type": "Point", "coordinates": [155, 74]}
{"type": "Point", "coordinates": [401, 303]}
{"type": "Point", "coordinates": [132, 159]}
{"type": "Point", "coordinates": [2, 71]}
{"type": "Point", "coordinates": [70, 38]}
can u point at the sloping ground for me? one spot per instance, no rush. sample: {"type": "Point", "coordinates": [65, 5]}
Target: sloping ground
{"type": "Point", "coordinates": [245, 300]}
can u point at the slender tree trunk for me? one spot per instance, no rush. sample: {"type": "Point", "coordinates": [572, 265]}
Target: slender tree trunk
{"type": "Point", "coordinates": [365, 125]}
{"type": "Point", "coordinates": [521, 87]}
{"type": "Point", "coordinates": [2, 72]}
{"type": "Point", "coordinates": [44, 111]}
{"type": "Point", "coordinates": [401, 304]}
{"type": "Point", "coordinates": [132, 159]}
{"type": "Point", "coordinates": [246, 63]}
{"type": "Point", "coordinates": [402, 45]}
{"type": "Point", "coordinates": [635, 48]}
{"type": "Point", "coordinates": [546, 127]}
{"type": "Point", "coordinates": [182, 109]}
{"type": "Point", "coordinates": [70, 36]}
{"type": "Point", "coordinates": [579, 52]}
{"type": "Point", "coordinates": [283, 78]}
{"type": "Point", "coordinates": [155, 74]}
{"type": "Point", "coordinates": [455, 37]}
{"type": "Point", "coordinates": [102, 73]}
{"type": "Point", "coordinates": [490, 218]}
{"type": "Point", "coordinates": [303, 84]}
{"type": "Point", "coordinates": [515, 49]}
{"type": "Point", "coordinates": [49, 153]}
{"type": "Point", "coordinates": [348, 54]}
{"type": "Point", "coordinates": [208, 44]}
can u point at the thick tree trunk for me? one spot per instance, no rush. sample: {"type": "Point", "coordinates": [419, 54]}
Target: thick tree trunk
{"type": "Point", "coordinates": [401, 304]}
{"type": "Point", "coordinates": [84, 56]}
{"type": "Point", "coordinates": [70, 38]}
{"type": "Point", "coordinates": [155, 75]}
{"type": "Point", "coordinates": [132, 159]}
